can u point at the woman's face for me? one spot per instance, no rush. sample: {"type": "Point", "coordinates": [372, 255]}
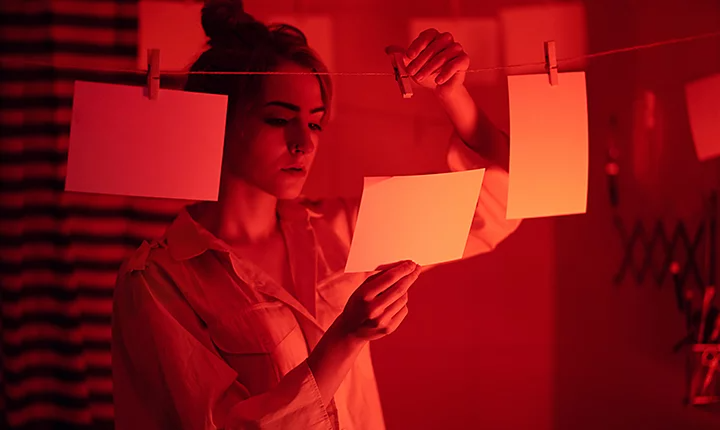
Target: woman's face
{"type": "Point", "coordinates": [272, 146]}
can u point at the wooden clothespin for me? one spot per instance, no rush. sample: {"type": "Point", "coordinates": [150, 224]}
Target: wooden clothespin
{"type": "Point", "coordinates": [551, 62]}
{"type": "Point", "coordinates": [401, 75]}
{"type": "Point", "coordinates": [153, 76]}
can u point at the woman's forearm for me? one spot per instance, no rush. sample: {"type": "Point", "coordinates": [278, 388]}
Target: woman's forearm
{"type": "Point", "coordinates": [475, 128]}
{"type": "Point", "coordinates": [332, 359]}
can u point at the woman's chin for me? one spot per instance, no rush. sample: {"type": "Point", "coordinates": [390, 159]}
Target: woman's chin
{"type": "Point", "coordinates": [288, 192]}
{"type": "Point", "coordinates": [288, 196]}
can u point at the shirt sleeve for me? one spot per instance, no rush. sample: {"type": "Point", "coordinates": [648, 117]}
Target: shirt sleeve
{"type": "Point", "coordinates": [489, 226]}
{"type": "Point", "coordinates": [164, 377]}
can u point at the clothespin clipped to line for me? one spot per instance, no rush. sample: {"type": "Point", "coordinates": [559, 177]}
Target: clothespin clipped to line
{"type": "Point", "coordinates": [551, 66]}
{"type": "Point", "coordinates": [401, 75]}
{"type": "Point", "coordinates": [153, 76]}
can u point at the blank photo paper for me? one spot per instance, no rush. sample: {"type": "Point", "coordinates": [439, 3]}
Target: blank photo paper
{"type": "Point", "coordinates": [123, 143]}
{"type": "Point", "coordinates": [703, 105]}
{"type": "Point", "coordinates": [548, 146]}
{"type": "Point", "coordinates": [424, 218]}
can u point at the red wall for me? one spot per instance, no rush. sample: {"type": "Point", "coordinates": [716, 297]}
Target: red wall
{"type": "Point", "coordinates": [614, 365]}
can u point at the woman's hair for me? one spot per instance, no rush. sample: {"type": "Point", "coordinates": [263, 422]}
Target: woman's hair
{"type": "Point", "coordinates": [239, 43]}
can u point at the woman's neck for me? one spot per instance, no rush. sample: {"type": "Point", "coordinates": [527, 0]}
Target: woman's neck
{"type": "Point", "coordinates": [243, 215]}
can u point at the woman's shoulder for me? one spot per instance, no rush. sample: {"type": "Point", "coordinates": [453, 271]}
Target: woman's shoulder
{"type": "Point", "coordinates": [148, 287]}
{"type": "Point", "coordinates": [150, 278]}
{"type": "Point", "coordinates": [138, 259]}
{"type": "Point", "coordinates": [158, 256]}
{"type": "Point", "coordinates": [150, 263]}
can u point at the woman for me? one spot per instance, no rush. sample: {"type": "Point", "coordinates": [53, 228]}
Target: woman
{"type": "Point", "coordinates": [241, 315]}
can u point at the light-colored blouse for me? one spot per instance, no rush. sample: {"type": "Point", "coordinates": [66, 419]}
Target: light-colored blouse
{"type": "Point", "coordinates": [203, 339]}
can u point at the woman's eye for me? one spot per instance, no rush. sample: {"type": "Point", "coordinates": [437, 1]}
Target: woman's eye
{"type": "Point", "coordinates": [316, 127]}
{"type": "Point", "coordinates": [276, 122]}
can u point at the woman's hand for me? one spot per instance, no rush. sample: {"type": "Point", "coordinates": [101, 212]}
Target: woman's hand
{"type": "Point", "coordinates": [436, 61]}
{"type": "Point", "coordinates": [379, 305]}
{"type": "Point", "coordinates": [374, 310]}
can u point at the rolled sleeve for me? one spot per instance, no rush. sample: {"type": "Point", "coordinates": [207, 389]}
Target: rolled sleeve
{"type": "Point", "coordinates": [295, 403]}
{"type": "Point", "coordinates": [489, 226]}
{"type": "Point", "coordinates": [164, 377]}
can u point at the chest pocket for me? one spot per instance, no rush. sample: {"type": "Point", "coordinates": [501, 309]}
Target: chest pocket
{"type": "Point", "coordinates": [261, 343]}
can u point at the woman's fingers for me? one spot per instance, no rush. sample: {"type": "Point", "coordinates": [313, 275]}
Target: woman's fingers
{"type": "Point", "coordinates": [386, 267]}
{"type": "Point", "coordinates": [375, 329]}
{"type": "Point", "coordinates": [458, 64]}
{"type": "Point", "coordinates": [421, 42]}
{"type": "Point", "coordinates": [372, 312]}
{"type": "Point", "coordinates": [396, 320]}
{"type": "Point", "coordinates": [438, 62]}
{"type": "Point", "coordinates": [438, 44]}
{"type": "Point", "coordinates": [393, 294]}
{"type": "Point", "coordinates": [380, 282]}
{"type": "Point", "coordinates": [389, 312]}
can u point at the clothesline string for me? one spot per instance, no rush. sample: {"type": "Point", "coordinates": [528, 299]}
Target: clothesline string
{"type": "Point", "coordinates": [480, 70]}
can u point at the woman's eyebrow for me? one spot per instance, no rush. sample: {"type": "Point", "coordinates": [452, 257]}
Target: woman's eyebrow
{"type": "Point", "coordinates": [292, 107]}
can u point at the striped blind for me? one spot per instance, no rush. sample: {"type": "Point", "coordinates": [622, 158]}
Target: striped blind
{"type": "Point", "coordinates": [60, 252]}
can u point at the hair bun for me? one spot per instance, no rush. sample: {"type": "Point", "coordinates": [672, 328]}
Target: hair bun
{"type": "Point", "coordinates": [227, 24]}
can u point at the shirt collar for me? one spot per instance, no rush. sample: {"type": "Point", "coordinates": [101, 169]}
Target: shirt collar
{"type": "Point", "coordinates": [186, 238]}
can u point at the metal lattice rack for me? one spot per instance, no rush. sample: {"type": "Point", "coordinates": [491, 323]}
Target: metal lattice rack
{"type": "Point", "coordinates": [655, 251]}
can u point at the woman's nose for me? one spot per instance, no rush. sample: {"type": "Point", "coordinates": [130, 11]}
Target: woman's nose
{"type": "Point", "coordinates": [301, 141]}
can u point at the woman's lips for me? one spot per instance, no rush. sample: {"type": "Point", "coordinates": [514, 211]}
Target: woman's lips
{"type": "Point", "coordinates": [297, 171]}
